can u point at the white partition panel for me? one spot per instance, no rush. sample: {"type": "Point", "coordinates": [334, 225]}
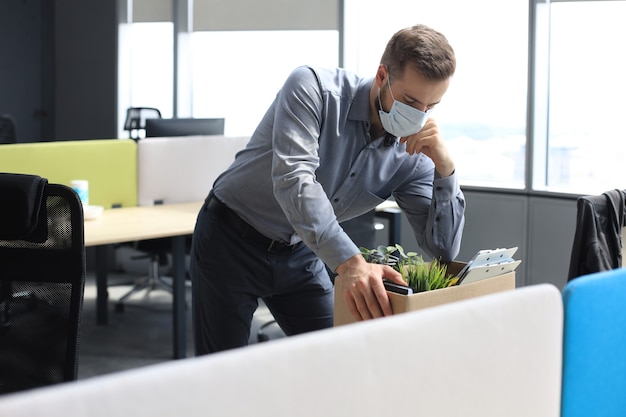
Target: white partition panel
{"type": "Point", "coordinates": [493, 356]}
{"type": "Point", "coordinates": [182, 169]}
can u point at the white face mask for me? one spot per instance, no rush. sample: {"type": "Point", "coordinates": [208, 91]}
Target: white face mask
{"type": "Point", "coordinates": [402, 120]}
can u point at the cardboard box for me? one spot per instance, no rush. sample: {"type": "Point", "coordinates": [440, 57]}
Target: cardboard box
{"type": "Point", "coordinates": [405, 303]}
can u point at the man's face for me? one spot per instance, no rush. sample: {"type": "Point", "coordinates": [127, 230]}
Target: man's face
{"type": "Point", "coordinates": [411, 89]}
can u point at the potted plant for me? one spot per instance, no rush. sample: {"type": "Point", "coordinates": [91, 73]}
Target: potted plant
{"type": "Point", "coordinates": [418, 274]}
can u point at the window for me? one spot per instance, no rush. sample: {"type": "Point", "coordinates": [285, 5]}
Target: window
{"type": "Point", "coordinates": [586, 143]}
{"type": "Point", "coordinates": [146, 68]}
{"type": "Point", "coordinates": [577, 140]}
{"type": "Point", "coordinates": [236, 74]}
{"type": "Point", "coordinates": [153, 66]}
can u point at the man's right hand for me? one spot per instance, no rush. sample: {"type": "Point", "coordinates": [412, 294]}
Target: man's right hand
{"type": "Point", "coordinates": [361, 285]}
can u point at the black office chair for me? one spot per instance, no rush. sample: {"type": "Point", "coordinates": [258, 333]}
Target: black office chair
{"type": "Point", "coordinates": [7, 129]}
{"type": "Point", "coordinates": [136, 120]}
{"type": "Point", "coordinates": [597, 241]}
{"type": "Point", "coordinates": [42, 278]}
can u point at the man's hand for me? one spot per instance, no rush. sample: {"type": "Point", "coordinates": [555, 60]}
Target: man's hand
{"type": "Point", "coordinates": [361, 284]}
{"type": "Point", "coordinates": [430, 142]}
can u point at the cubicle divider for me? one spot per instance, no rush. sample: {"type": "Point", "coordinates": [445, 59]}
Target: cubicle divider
{"type": "Point", "coordinates": [123, 173]}
{"type": "Point", "coordinates": [594, 370]}
{"type": "Point", "coordinates": [492, 356]}
{"type": "Point", "coordinates": [182, 169]}
{"type": "Point", "coordinates": [109, 165]}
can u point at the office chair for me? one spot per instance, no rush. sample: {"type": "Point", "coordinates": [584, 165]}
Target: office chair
{"type": "Point", "coordinates": [156, 250]}
{"type": "Point", "coordinates": [42, 278]}
{"type": "Point", "coordinates": [7, 129]}
{"type": "Point", "coordinates": [136, 119]}
{"type": "Point", "coordinates": [597, 240]}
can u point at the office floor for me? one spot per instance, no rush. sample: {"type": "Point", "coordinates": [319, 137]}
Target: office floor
{"type": "Point", "coordinates": [141, 335]}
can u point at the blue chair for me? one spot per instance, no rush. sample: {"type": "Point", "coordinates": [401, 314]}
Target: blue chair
{"type": "Point", "coordinates": [594, 343]}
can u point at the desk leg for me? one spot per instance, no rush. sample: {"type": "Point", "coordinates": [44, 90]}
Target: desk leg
{"type": "Point", "coordinates": [395, 224]}
{"type": "Point", "coordinates": [394, 216]}
{"type": "Point", "coordinates": [102, 254]}
{"type": "Point", "coordinates": [179, 314]}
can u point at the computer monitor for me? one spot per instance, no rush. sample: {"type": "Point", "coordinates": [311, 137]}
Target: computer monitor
{"type": "Point", "coordinates": [184, 127]}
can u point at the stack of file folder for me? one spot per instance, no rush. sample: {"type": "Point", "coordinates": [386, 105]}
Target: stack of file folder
{"type": "Point", "coordinates": [488, 263]}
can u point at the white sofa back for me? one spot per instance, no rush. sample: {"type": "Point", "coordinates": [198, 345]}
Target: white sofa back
{"type": "Point", "coordinates": [497, 355]}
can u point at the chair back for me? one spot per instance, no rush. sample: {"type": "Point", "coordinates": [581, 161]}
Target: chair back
{"type": "Point", "coordinates": [597, 242]}
{"type": "Point", "coordinates": [42, 276]}
{"type": "Point", "coordinates": [136, 119]}
{"type": "Point", "coordinates": [594, 369]}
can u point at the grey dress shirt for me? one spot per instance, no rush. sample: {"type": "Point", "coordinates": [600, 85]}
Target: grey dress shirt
{"type": "Point", "coordinates": [312, 164]}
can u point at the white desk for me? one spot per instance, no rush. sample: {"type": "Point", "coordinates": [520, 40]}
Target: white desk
{"type": "Point", "coordinates": [131, 224]}
{"type": "Point", "coordinates": [140, 223]}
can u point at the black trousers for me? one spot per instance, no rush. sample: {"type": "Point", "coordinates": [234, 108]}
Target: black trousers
{"type": "Point", "coordinates": [232, 266]}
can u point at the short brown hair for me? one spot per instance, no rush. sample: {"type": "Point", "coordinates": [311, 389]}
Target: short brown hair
{"type": "Point", "coordinates": [426, 49]}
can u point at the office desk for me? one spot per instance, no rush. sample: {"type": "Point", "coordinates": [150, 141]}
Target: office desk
{"type": "Point", "coordinates": [131, 224]}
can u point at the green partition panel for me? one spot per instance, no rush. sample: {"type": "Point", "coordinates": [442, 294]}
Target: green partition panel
{"type": "Point", "coordinates": [110, 166]}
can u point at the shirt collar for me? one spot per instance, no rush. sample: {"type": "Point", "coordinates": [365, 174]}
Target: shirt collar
{"type": "Point", "coordinates": [360, 109]}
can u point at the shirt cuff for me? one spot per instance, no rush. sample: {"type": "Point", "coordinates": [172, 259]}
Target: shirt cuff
{"type": "Point", "coordinates": [337, 251]}
{"type": "Point", "coordinates": [445, 187]}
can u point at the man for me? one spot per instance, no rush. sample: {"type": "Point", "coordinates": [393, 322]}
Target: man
{"type": "Point", "coordinates": [331, 147]}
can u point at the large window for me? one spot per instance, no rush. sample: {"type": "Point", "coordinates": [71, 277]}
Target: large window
{"type": "Point", "coordinates": [586, 140]}
{"type": "Point", "coordinates": [483, 114]}
{"type": "Point", "coordinates": [575, 143]}
{"type": "Point", "coordinates": [236, 74]}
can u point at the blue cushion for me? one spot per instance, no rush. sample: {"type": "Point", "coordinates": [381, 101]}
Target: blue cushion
{"type": "Point", "coordinates": [594, 345]}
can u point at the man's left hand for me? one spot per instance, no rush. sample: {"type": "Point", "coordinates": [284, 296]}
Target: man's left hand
{"type": "Point", "coordinates": [430, 142]}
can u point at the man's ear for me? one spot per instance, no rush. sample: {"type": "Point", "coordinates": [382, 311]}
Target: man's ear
{"type": "Point", "coordinates": [381, 76]}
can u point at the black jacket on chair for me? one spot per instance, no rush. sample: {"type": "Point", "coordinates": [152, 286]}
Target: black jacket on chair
{"type": "Point", "coordinates": [597, 241]}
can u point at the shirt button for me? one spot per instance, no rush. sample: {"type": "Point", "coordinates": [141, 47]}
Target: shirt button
{"type": "Point", "coordinates": [438, 188]}
{"type": "Point", "coordinates": [335, 200]}
{"type": "Point", "coordinates": [353, 174]}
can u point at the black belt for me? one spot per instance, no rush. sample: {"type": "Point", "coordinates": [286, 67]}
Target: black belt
{"type": "Point", "coordinates": [223, 212]}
